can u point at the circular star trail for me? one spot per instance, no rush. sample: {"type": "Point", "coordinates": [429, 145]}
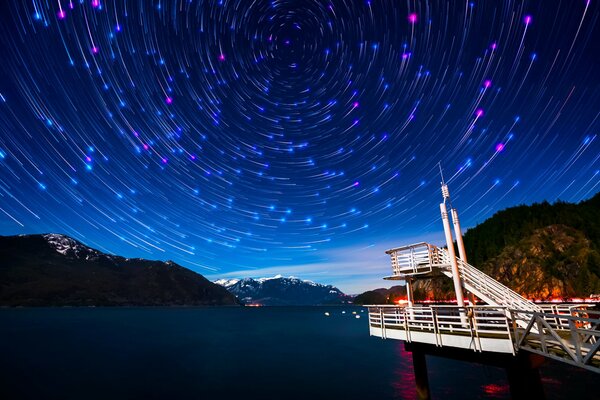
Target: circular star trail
{"type": "Point", "coordinates": [233, 135]}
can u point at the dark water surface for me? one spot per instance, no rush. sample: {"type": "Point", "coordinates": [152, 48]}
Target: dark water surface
{"type": "Point", "coordinates": [231, 353]}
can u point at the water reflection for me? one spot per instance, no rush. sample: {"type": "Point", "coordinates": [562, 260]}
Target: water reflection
{"type": "Point", "coordinates": [450, 379]}
{"type": "Point", "coordinates": [496, 391]}
{"type": "Point", "coordinates": [404, 377]}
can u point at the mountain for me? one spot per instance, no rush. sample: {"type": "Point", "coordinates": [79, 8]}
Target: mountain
{"type": "Point", "coordinates": [56, 270]}
{"type": "Point", "coordinates": [543, 251]}
{"type": "Point", "coordinates": [381, 296]}
{"type": "Point", "coordinates": [280, 291]}
{"type": "Point", "coordinates": [509, 226]}
{"type": "Point", "coordinates": [226, 282]}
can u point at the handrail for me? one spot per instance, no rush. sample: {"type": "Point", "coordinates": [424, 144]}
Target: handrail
{"type": "Point", "coordinates": [406, 247]}
{"type": "Point", "coordinates": [562, 332]}
{"type": "Point", "coordinates": [486, 287]}
{"type": "Point", "coordinates": [468, 271]}
{"type": "Point", "coordinates": [578, 345]}
{"type": "Point", "coordinates": [416, 259]}
{"type": "Point", "coordinates": [421, 258]}
{"type": "Point", "coordinates": [443, 320]}
{"type": "Point", "coordinates": [433, 306]}
{"type": "Point", "coordinates": [531, 331]}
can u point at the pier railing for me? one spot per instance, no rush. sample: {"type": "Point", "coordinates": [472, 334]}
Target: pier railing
{"type": "Point", "coordinates": [571, 335]}
{"type": "Point", "coordinates": [574, 339]}
{"type": "Point", "coordinates": [554, 313]}
{"type": "Point", "coordinates": [444, 325]}
{"type": "Point", "coordinates": [485, 287]}
{"type": "Point", "coordinates": [412, 260]}
{"type": "Point", "coordinates": [420, 259]}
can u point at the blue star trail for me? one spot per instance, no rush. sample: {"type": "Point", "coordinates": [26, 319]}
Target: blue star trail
{"type": "Point", "coordinates": [242, 135]}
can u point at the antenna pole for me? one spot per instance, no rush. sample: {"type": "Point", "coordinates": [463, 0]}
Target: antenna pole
{"type": "Point", "coordinates": [461, 245]}
{"type": "Point", "coordinates": [451, 253]}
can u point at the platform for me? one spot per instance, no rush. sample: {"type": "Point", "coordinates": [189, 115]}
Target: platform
{"type": "Point", "coordinates": [506, 325]}
{"type": "Point", "coordinates": [573, 338]}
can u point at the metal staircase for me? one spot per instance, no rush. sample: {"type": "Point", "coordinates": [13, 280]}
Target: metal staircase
{"type": "Point", "coordinates": [485, 287]}
{"type": "Point", "coordinates": [419, 260]}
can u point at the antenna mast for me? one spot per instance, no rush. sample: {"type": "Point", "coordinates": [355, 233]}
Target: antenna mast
{"type": "Point", "coordinates": [450, 243]}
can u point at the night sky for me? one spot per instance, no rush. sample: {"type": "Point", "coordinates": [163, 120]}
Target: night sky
{"type": "Point", "coordinates": [250, 138]}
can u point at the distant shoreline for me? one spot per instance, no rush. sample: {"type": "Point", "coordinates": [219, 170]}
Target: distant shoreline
{"type": "Point", "coordinates": [185, 306]}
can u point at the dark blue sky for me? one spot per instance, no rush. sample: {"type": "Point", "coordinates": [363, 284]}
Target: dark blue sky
{"type": "Point", "coordinates": [249, 138]}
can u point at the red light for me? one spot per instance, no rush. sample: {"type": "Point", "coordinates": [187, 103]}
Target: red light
{"type": "Point", "coordinates": [493, 388]}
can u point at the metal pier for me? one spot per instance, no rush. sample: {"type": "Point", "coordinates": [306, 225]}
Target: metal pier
{"type": "Point", "coordinates": [572, 338]}
{"type": "Point", "coordinates": [508, 329]}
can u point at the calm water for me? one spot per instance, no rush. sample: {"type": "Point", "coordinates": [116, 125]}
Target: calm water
{"type": "Point", "coordinates": [230, 353]}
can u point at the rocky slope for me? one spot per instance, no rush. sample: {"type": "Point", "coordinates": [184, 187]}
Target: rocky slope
{"type": "Point", "coordinates": [557, 262]}
{"type": "Point", "coordinates": [56, 270]}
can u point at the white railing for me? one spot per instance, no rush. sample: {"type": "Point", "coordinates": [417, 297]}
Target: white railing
{"type": "Point", "coordinates": [482, 322]}
{"type": "Point", "coordinates": [554, 314]}
{"type": "Point", "coordinates": [486, 287]}
{"type": "Point", "coordinates": [578, 345]}
{"type": "Point", "coordinates": [421, 258]}
{"type": "Point", "coordinates": [416, 259]}
{"type": "Point", "coordinates": [574, 339]}
{"type": "Point", "coordinates": [562, 332]}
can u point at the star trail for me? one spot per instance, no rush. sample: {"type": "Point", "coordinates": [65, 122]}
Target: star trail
{"type": "Point", "coordinates": [248, 136]}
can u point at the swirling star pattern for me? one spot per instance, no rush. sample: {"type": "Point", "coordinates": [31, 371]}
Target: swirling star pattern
{"type": "Point", "coordinates": [242, 134]}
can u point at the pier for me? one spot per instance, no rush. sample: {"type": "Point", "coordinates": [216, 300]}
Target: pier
{"type": "Point", "coordinates": [496, 326]}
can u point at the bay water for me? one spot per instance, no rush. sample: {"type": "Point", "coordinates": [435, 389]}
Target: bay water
{"type": "Point", "coordinates": [232, 353]}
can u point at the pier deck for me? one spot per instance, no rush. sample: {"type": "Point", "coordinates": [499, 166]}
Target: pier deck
{"type": "Point", "coordinates": [572, 338]}
{"type": "Point", "coordinates": [509, 329]}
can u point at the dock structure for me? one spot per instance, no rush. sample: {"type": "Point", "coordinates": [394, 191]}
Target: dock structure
{"type": "Point", "coordinates": [497, 326]}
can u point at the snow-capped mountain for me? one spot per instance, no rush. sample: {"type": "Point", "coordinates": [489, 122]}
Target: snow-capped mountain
{"type": "Point", "coordinates": [70, 247]}
{"type": "Point", "coordinates": [279, 290]}
{"type": "Point", "coordinates": [226, 282]}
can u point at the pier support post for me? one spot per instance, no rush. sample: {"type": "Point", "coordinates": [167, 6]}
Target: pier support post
{"type": "Point", "coordinates": [524, 377]}
{"type": "Point", "coordinates": [421, 379]}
